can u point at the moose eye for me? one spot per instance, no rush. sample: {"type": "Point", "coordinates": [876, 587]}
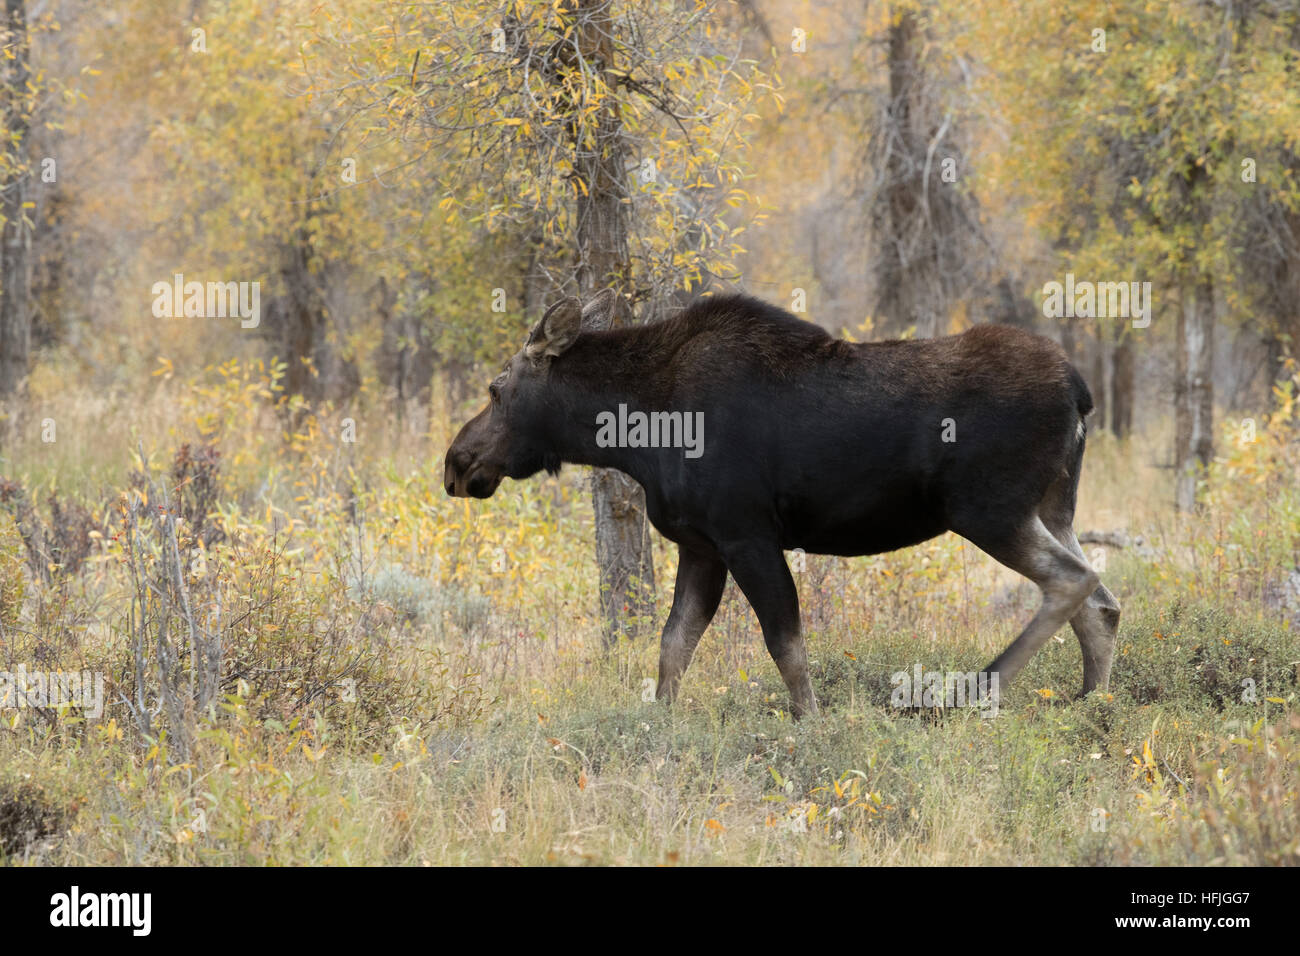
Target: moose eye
{"type": "Point", "coordinates": [494, 390]}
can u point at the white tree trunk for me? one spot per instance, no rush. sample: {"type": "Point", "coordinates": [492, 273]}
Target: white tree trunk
{"type": "Point", "coordinates": [1194, 392]}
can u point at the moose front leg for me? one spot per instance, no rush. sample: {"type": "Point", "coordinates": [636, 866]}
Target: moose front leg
{"type": "Point", "coordinates": [700, 579]}
{"type": "Point", "coordinates": [760, 570]}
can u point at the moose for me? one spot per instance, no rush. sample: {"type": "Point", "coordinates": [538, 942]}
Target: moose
{"type": "Point", "coordinates": [810, 442]}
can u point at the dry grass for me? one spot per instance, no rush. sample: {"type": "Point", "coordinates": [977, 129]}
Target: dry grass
{"type": "Point", "coordinates": [409, 679]}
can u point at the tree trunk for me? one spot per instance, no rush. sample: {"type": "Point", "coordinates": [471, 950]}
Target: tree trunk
{"type": "Point", "coordinates": [927, 247]}
{"type": "Point", "coordinates": [1070, 339]}
{"type": "Point", "coordinates": [1097, 378]}
{"type": "Point", "coordinates": [15, 238]}
{"type": "Point", "coordinates": [404, 358]}
{"type": "Point", "coordinates": [457, 381]}
{"type": "Point", "coordinates": [623, 551]}
{"type": "Point", "coordinates": [905, 296]}
{"type": "Point", "coordinates": [302, 325]}
{"type": "Point", "coordinates": [1193, 391]}
{"type": "Point", "coordinates": [1122, 382]}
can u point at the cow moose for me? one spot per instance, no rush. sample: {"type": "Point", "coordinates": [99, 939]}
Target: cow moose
{"type": "Point", "coordinates": [809, 442]}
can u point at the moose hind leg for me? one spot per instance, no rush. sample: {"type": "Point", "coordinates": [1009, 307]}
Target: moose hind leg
{"type": "Point", "coordinates": [1097, 628]}
{"type": "Point", "coordinates": [1064, 578]}
{"type": "Point", "coordinates": [700, 580]}
{"type": "Point", "coordinates": [1096, 624]}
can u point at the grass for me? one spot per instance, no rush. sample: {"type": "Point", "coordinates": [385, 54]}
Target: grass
{"type": "Point", "coordinates": [408, 679]}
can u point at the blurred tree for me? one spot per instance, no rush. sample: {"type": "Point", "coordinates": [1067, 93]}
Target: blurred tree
{"type": "Point", "coordinates": [1144, 142]}
{"type": "Point", "coordinates": [249, 195]}
{"type": "Point", "coordinates": [17, 101]}
{"type": "Point", "coordinates": [929, 252]}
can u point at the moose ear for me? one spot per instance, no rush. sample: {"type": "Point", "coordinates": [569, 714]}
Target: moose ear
{"type": "Point", "coordinates": [557, 330]}
{"type": "Point", "coordinates": [598, 313]}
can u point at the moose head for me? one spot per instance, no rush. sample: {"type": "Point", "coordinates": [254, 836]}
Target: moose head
{"type": "Point", "coordinates": [508, 438]}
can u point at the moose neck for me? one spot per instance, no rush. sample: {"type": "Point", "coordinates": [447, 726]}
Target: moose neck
{"type": "Point", "coordinates": [600, 373]}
